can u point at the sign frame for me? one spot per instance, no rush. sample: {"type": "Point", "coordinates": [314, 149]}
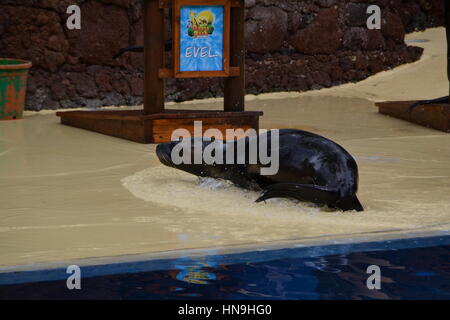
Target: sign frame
{"type": "Point", "coordinates": [176, 16]}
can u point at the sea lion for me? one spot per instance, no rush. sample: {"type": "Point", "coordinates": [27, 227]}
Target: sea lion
{"type": "Point", "coordinates": [426, 102]}
{"type": "Point", "coordinates": [311, 169]}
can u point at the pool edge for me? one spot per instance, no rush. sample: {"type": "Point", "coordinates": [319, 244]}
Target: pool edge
{"type": "Point", "coordinates": [102, 266]}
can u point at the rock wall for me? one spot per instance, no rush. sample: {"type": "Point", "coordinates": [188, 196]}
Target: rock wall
{"type": "Point", "coordinates": [291, 45]}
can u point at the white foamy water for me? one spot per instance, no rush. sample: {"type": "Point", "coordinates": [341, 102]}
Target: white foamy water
{"type": "Point", "coordinates": [172, 187]}
{"type": "Point", "coordinates": [211, 183]}
{"type": "Point", "coordinates": [210, 197]}
{"type": "Point", "coordinates": [214, 199]}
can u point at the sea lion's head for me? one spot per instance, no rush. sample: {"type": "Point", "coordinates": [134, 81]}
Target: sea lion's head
{"type": "Point", "coordinates": [181, 155]}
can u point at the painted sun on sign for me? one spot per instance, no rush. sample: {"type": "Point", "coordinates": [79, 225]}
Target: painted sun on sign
{"type": "Point", "coordinates": [200, 25]}
{"type": "Point", "coordinates": [201, 38]}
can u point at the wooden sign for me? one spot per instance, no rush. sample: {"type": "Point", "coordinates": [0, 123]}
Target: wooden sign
{"type": "Point", "coordinates": [201, 47]}
{"type": "Point", "coordinates": [201, 34]}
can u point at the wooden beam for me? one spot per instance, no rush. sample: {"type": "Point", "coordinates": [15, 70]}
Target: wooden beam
{"type": "Point", "coordinates": [234, 89]}
{"type": "Point", "coordinates": [235, 72]}
{"type": "Point", "coordinates": [165, 4]}
{"type": "Point", "coordinates": [154, 57]}
{"type": "Point", "coordinates": [136, 126]}
{"type": "Point", "coordinates": [168, 73]}
{"type": "Point", "coordinates": [436, 116]}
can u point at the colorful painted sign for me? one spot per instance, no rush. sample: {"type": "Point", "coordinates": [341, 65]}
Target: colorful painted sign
{"type": "Point", "coordinates": [201, 38]}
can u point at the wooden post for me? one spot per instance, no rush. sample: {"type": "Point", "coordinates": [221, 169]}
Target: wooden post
{"type": "Point", "coordinates": [234, 90]}
{"type": "Point", "coordinates": [154, 57]}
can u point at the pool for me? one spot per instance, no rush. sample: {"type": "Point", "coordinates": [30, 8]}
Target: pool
{"type": "Point", "coordinates": [410, 269]}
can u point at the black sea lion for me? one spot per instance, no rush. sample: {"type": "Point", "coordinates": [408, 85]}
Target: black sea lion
{"type": "Point", "coordinates": [426, 102]}
{"type": "Point", "coordinates": [311, 168]}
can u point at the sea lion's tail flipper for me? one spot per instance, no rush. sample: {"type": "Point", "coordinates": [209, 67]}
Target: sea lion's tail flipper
{"type": "Point", "coordinates": [311, 193]}
{"type": "Point", "coordinates": [302, 192]}
{"type": "Point", "coordinates": [425, 102]}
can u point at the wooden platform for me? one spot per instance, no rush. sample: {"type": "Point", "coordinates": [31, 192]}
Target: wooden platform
{"type": "Point", "coordinates": [436, 116]}
{"type": "Point", "coordinates": [134, 125]}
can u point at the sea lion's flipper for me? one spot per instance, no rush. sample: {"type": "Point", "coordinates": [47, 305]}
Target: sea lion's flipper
{"type": "Point", "coordinates": [302, 192]}
{"type": "Point", "coordinates": [312, 193]}
{"type": "Point", "coordinates": [431, 101]}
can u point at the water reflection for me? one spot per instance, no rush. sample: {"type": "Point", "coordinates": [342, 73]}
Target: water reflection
{"type": "Point", "coordinates": [195, 271]}
{"type": "Point", "coordinates": [422, 273]}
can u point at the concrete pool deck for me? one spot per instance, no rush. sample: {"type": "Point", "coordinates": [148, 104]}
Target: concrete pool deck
{"type": "Point", "coordinates": [70, 195]}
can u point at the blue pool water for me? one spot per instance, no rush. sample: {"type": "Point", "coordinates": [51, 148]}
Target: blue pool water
{"type": "Point", "coordinates": [411, 273]}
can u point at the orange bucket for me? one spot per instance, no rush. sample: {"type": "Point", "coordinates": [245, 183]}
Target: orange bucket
{"type": "Point", "coordinates": [13, 85]}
